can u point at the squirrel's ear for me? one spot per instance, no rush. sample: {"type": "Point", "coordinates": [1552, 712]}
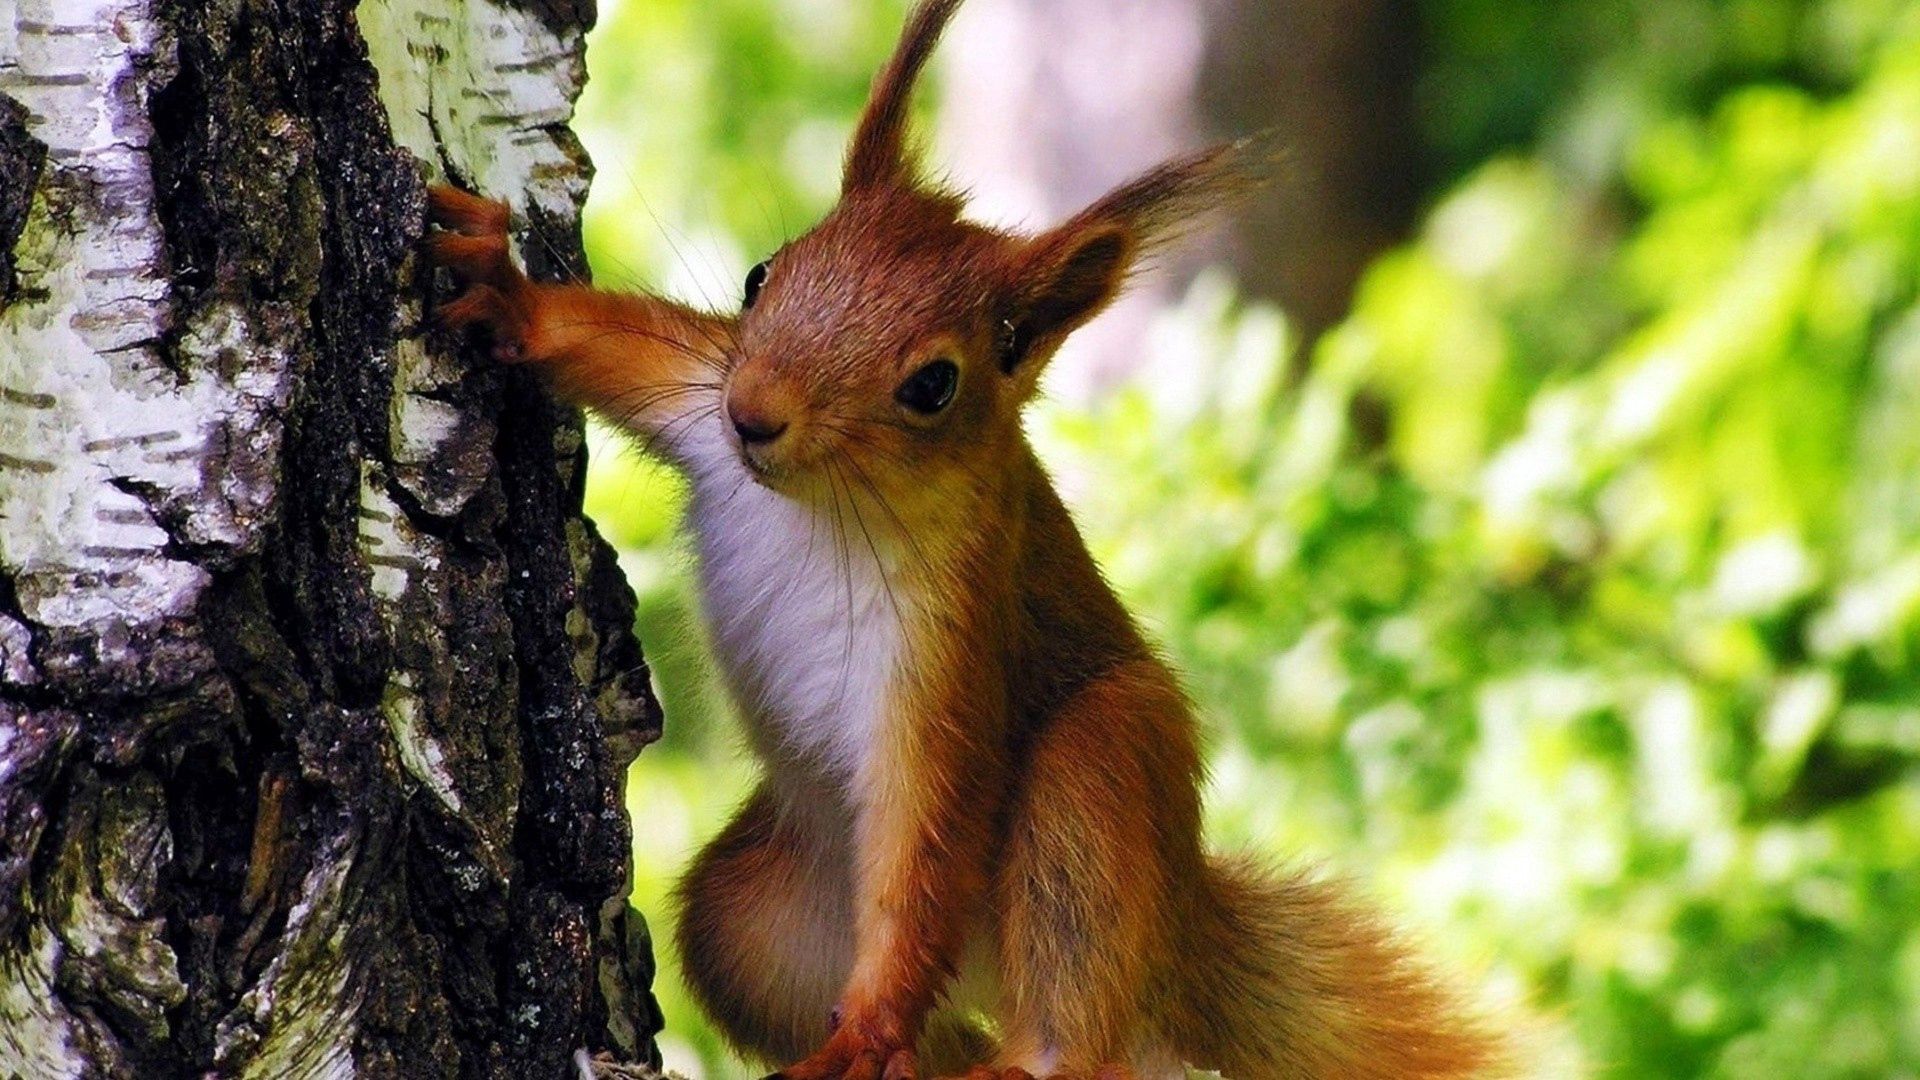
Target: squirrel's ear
{"type": "Point", "coordinates": [1067, 277]}
{"type": "Point", "coordinates": [1072, 271]}
{"type": "Point", "coordinates": [877, 156]}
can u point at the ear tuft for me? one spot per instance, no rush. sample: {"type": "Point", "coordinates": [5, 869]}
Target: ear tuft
{"type": "Point", "coordinates": [1158, 206]}
{"type": "Point", "coordinates": [877, 156]}
{"type": "Point", "coordinates": [1073, 271]}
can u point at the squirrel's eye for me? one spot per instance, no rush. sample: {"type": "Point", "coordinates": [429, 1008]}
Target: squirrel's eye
{"type": "Point", "coordinates": [930, 389]}
{"type": "Point", "coordinates": [756, 277]}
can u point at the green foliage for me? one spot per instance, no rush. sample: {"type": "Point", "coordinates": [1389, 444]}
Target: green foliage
{"type": "Point", "coordinates": [719, 126]}
{"type": "Point", "coordinates": [1572, 598]}
{"type": "Point", "coordinates": [1603, 655]}
{"type": "Point", "coordinates": [1579, 78]}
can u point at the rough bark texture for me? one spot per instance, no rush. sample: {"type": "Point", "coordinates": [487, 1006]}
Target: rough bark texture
{"type": "Point", "coordinates": [316, 692]}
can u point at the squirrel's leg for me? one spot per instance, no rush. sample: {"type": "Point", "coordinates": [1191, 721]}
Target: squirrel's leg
{"type": "Point", "coordinates": [1090, 886]}
{"type": "Point", "coordinates": [650, 365]}
{"type": "Point", "coordinates": [766, 931]}
{"type": "Point", "coordinates": [766, 938]}
{"type": "Point", "coordinates": [1016, 1073]}
{"type": "Point", "coordinates": [923, 838]}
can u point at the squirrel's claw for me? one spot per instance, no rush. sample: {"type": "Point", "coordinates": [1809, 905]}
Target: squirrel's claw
{"type": "Point", "coordinates": [486, 306]}
{"type": "Point", "coordinates": [473, 247]}
{"type": "Point", "coordinates": [473, 258]}
{"type": "Point", "coordinates": [864, 1065]}
{"type": "Point", "coordinates": [463, 211]}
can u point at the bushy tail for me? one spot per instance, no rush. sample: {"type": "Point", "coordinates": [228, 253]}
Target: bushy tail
{"type": "Point", "coordinates": [1293, 981]}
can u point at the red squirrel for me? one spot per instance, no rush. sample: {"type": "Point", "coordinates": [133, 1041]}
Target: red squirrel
{"type": "Point", "coordinates": [980, 798]}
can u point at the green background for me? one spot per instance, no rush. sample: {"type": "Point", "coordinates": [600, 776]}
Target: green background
{"type": "Point", "coordinates": [1599, 665]}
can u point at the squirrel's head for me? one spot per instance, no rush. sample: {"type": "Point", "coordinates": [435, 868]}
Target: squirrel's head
{"type": "Point", "coordinates": [895, 343]}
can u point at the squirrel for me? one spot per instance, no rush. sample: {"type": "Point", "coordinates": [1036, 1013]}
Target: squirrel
{"type": "Point", "coordinates": [981, 787]}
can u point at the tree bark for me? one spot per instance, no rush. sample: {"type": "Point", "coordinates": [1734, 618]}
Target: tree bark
{"type": "Point", "coordinates": [317, 693]}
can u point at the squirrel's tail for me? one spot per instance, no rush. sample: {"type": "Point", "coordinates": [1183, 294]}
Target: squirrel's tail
{"type": "Point", "coordinates": [1295, 980]}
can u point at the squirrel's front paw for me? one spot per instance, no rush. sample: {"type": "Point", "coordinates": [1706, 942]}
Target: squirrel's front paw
{"type": "Point", "coordinates": [852, 1055]}
{"type": "Point", "coordinates": [472, 244]}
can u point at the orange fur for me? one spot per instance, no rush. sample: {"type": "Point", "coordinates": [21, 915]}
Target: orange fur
{"type": "Point", "coordinates": [1016, 824]}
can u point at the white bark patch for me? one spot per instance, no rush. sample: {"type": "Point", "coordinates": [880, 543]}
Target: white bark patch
{"type": "Point", "coordinates": [95, 425]}
{"type": "Point", "coordinates": [99, 434]}
{"type": "Point", "coordinates": [129, 427]}
{"type": "Point", "coordinates": [442, 455]}
{"type": "Point", "coordinates": [420, 754]}
{"type": "Point", "coordinates": [16, 669]}
{"type": "Point", "coordinates": [399, 556]}
{"type": "Point", "coordinates": [488, 90]}
{"type": "Point", "coordinates": [486, 85]}
{"type": "Point", "coordinates": [36, 1033]}
{"type": "Point", "coordinates": [105, 919]}
{"type": "Point", "coordinates": [393, 549]}
{"type": "Point", "coordinates": [113, 920]}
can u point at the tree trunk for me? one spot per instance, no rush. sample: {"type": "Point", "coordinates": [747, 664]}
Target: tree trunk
{"type": "Point", "coordinates": [316, 692]}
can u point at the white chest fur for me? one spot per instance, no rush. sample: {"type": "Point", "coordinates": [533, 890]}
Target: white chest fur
{"type": "Point", "coordinates": [804, 616]}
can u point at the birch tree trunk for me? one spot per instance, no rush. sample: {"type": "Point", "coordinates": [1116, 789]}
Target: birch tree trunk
{"type": "Point", "coordinates": [316, 692]}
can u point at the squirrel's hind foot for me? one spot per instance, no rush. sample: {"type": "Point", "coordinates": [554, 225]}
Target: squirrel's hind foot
{"type": "Point", "coordinates": [1014, 1072]}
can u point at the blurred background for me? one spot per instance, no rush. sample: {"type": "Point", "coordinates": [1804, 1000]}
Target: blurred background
{"type": "Point", "coordinates": [1528, 485]}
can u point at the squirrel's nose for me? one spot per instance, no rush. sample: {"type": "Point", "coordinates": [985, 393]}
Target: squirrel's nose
{"type": "Point", "coordinates": [754, 429]}
{"type": "Point", "coordinates": [759, 404]}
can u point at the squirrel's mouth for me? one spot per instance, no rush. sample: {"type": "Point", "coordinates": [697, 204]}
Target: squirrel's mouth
{"type": "Point", "coordinates": [768, 469]}
{"type": "Point", "coordinates": [779, 463]}
{"type": "Point", "coordinates": [784, 474]}
{"type": "Point", "coordinates": [760, 470]}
